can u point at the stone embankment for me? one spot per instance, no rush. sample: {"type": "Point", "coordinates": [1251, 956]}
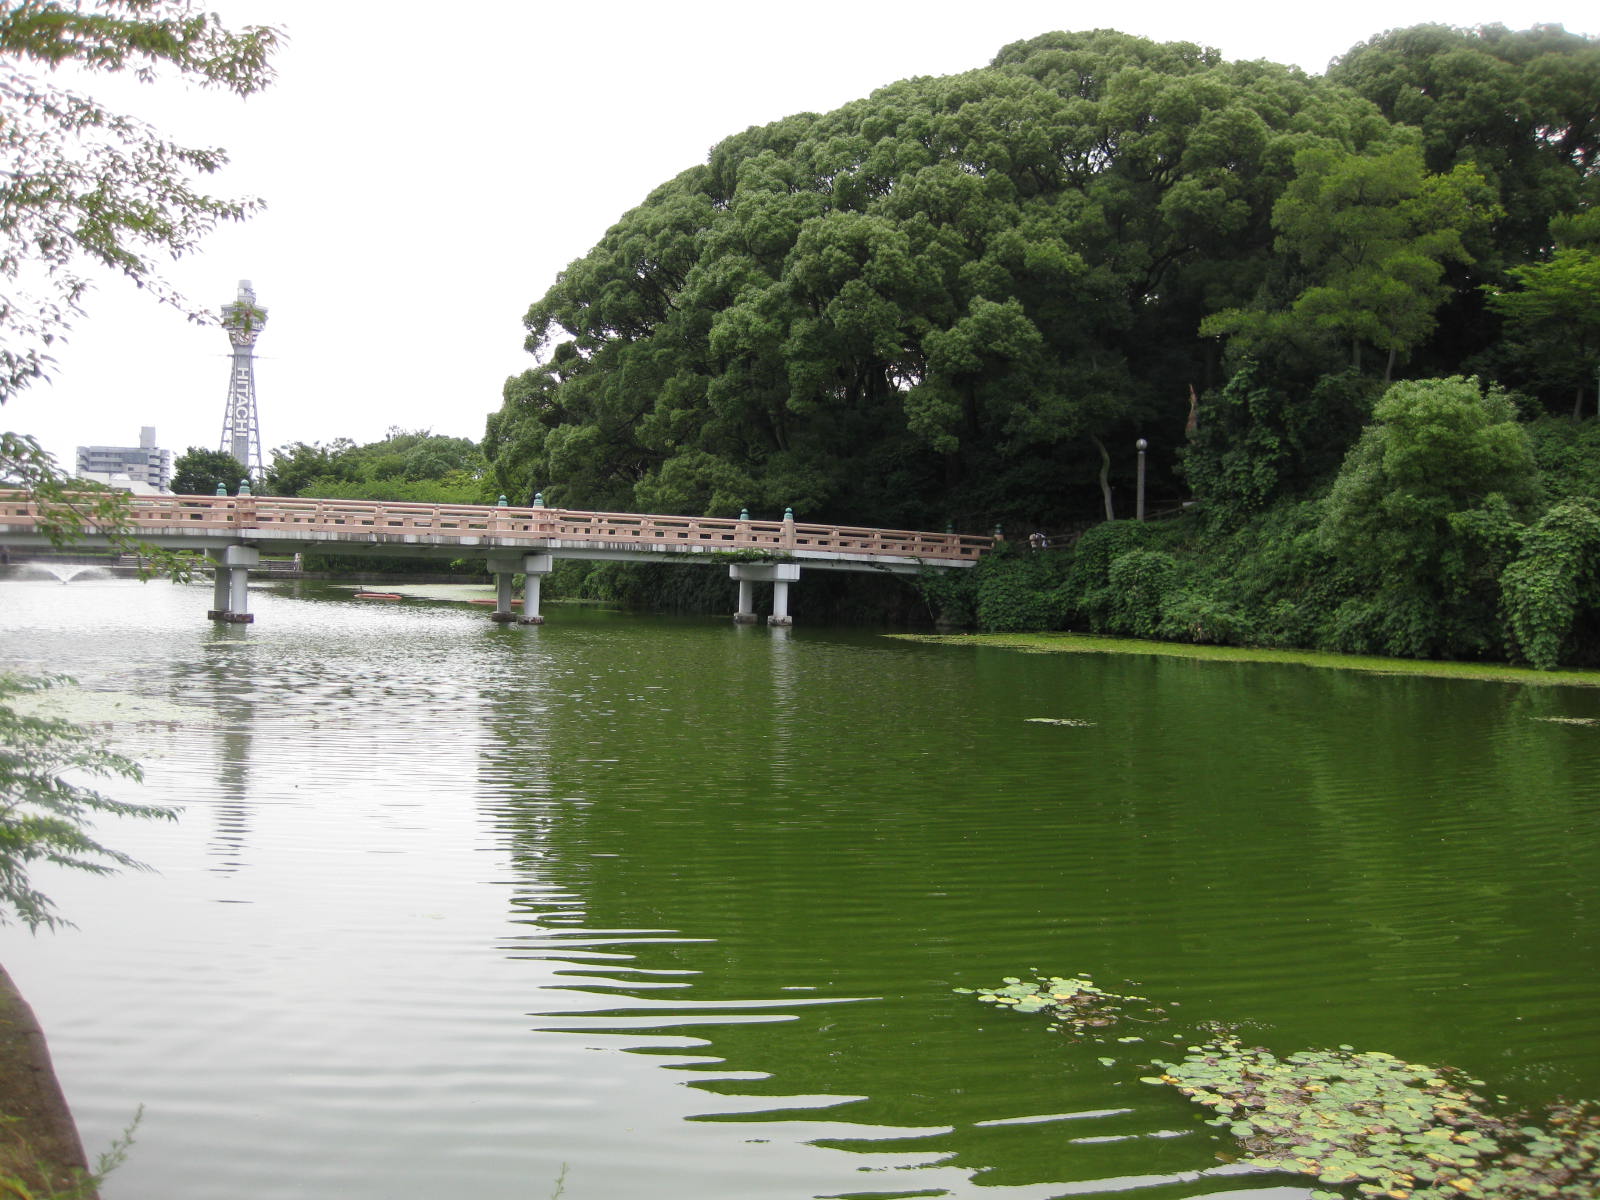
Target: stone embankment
{"type": "Point", "coordinates": [39, 1144]}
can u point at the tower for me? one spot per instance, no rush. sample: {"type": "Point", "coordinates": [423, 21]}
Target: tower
{"type": "Point", "coordinates": [241, 430]}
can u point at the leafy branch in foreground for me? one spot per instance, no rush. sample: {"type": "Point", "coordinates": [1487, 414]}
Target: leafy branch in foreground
{"type": "Point", "coordinates": [44, 814]}
{"type": "Point", "coordinates": [87, 189]}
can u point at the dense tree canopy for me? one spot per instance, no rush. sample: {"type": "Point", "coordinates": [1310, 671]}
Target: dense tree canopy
{"type": "Point", "coordinates": [940, 302]}
{"type": "Point", "coordinates": [963, 299]}
{"type": "Point", "coordinates": [413, 465]}
{"type": "Point", "coordinates": [929, 302]}
{"type": "Point", "coordinates": [200, 472]}
{"type": "Point", "coordinates": [1552, 317]}
{"type": "Point", "coordinates": [1522, 107]}
{"type": "Point", "coordinates": [1366, 240]}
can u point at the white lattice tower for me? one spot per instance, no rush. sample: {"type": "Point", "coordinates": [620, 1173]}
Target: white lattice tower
{"type": "Point", "coordinates": [241, 427]}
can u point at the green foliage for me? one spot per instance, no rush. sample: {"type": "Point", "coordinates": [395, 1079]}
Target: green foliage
{"type": "Point", "coordinates": [1014, 589]}
{"type": "Point", "coordinates": [86, 187]}
{"type": "Point", "coordinates": [413, 466]}
{"type": "Point", "coordinates": [1140, 583]}
{"type": "Point", "coordinates": [1516, 105]}
{"type": "Point", "coordinates": [697, 484]}
{"type": "Point", "coordinates": [1553, 581]}
{"type": "Point", "coordinates": [1085, 593]}
{"type": "Point", "coordinates": [934, 303]}
{"type": "Point", "coordinates": [924, 305]}
{"type": "Point", "coordinates": [44, 813]}
{"type": "Point", "coordinates": [1552, 318]}
{"type": "Point", "coordinates": [1267, 583]}
{"type": "Point", "coordinates": [1261, 438]}
{"type": "Point", "coordinates": [1239, 450]}
{"type": "Point", "coordinates": [1445, 442]}
{"type": "Point", "coordinates": [411, 455]}
{"type": "Point", "coordinates": [1421, 549]}
{"type": "Point", "coordinates": [951, 596]}
{"type": "Point", "coordinates": [302, 469]}
{"type": "Point", "coordinates": [1427, 509]}
{"type": "Point", "coordinates": [1567, 454]}
{"type": "Point", "coordinates": [1190, 614]}
{"type": "Point", "coordinates": [1371, 234]}
{"type": "Point", "coordinates": [457, 487]}
{"type": "Point", "coordinates": [199, 472]}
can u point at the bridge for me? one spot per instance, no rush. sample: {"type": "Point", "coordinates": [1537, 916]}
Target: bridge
{"type": "Point", "coordinates": [234, 531]}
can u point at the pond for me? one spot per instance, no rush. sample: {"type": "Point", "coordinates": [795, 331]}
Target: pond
{"type": "Point", "coordinates": [628, 905]}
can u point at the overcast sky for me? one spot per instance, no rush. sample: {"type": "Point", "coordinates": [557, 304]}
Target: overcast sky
{"type": "Point", "coordinates": [428, 169]}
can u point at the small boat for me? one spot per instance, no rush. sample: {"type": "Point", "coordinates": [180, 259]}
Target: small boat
{"type": "Point", "coordinates": [377, 595]}
{"type": "Point", "coordinates": [479, 600]}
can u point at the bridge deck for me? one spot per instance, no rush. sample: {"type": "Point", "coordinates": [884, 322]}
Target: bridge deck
{"type": "Point", "coordinates": [298, 524]}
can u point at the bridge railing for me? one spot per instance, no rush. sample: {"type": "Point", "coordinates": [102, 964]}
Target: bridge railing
{"type": "Point", "coordinates": [287, 516]}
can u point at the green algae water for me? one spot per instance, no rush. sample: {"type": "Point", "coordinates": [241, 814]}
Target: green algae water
{"type": "Point", "coordinates": [636, 906]}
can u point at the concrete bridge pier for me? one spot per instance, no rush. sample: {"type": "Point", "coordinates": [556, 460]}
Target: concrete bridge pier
{"type": "Point", "coordinates": [746, 612]}
{"type": "Point", "coordinates": [219, 586]}
{"type": "Point", "coordinates": [503, 569]}
{"type": "Point", "coordinates": [230, 585]}
{"type": "Point", "coordinates": [780, 575]}
{"type": "Point", "coordinates": [534, 568]}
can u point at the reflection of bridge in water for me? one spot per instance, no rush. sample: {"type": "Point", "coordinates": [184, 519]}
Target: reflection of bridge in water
{"type": "Point", "coordinates": [234, 531]}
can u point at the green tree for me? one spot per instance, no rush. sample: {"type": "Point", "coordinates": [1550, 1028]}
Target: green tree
{"type": "Point", "coordinates": [410, 465]}
{"type": "Point", "coordinates": [1427, 510]}
{"type": "Point", "coordinates": [928, 304]}
{"type": "Point", "coordinates": [411, 455]}
{"type": "Point", "coordinates": [1517, 105]}
{"type": "Point", "coordinates": [1552, 317]}
{"type": "Point", "coordinates": [299, 468]}
{"type": "Point", "coordinates": [1371, 235]}
{"type": "Point", "coordinates": [199, 472]}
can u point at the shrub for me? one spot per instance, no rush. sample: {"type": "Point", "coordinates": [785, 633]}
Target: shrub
{"type": "Point", "coordinates": [1018, 589]}
{"type": "Point", "coordinates": [1190, 615]}
{"type": "Point", "coordinates": [1139, 583]}
{"type": "Point", "coordinates": [1554, 579]}
{"type": "Point", "coordinates": [1426, 512]}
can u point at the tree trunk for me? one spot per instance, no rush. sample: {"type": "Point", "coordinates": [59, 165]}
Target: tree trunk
{"type": "Point", "coordinates": [1388, 368]}
{"type": "Point", "coordinates": [1577, 403]}
{"type": "Point", "coordinates": [1105, 477]}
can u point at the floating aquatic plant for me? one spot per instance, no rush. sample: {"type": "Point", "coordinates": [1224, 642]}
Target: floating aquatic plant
{"type": "Point", "coordinates": [1074, 1002]}
{"type": "Point", "coordinates": [1360, 1123]}
{"type": "Point", "coordinates": [1389, 1127]}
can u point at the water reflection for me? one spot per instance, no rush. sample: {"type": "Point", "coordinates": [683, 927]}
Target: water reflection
{"type": "Point", "coordinates": [677, 906]}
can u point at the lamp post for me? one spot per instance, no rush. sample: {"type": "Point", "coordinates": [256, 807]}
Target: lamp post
{"type": "Point", "coordinates": [1139, 502]}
